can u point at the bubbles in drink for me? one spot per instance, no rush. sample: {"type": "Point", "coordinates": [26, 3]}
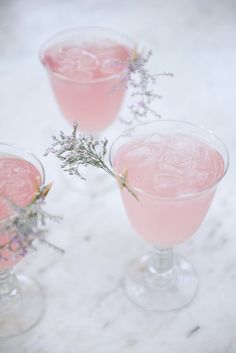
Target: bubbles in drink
{"type": "Point", "coordinates": [19, 180]}
{"type": "Point", "coordinates": [170, 165]}
{"type": "Point", "coordinates": [87, 61]}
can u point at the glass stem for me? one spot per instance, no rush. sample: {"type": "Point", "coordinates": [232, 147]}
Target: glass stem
{"type": "Point", "coordinates": [8, 283]}
{"type": "Point", "coordinates": [162, 261]}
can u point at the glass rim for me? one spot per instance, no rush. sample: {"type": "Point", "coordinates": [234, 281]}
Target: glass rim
{"type": "Point", "coordinates": [183, 195]}
{"type": "Point", "coordinates": [74, 29]}
{"type": "Point", "coordinates": [24, 150]}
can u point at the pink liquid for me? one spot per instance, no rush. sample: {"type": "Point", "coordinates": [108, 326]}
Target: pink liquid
{"type": "Point", "coordinates": [83, 77]}
{"type": "Point", "coordinates": [172, 172]}
{"type": "Point", "coordinates": [19, 180]}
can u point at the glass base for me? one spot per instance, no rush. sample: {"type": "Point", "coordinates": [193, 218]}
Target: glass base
{"type": "Point", "coordinates": [161, 291]}
{"type": "Point", "coordinates": [22, 308]}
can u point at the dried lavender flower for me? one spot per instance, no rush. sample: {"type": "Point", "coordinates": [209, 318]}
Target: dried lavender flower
{"type": "Point", "coordinates": [26, 225]}
{"type": "Point", "coordinates": [142, 86]}
{"type": "Point", "coordinates": [78, 150]}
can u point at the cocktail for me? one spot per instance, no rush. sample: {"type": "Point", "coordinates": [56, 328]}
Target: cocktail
{"type": "Point", "coordinates": [86, 67]}
{"type": "Point", "coordinates": [173, 168]}
{"type": "Point", "coordinates": [21, 300]}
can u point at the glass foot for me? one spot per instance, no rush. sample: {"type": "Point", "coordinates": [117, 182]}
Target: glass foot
{"type": "Point", "coordinates": [21, 309]}
{"type": "Point", "coordinates": [164, 290]}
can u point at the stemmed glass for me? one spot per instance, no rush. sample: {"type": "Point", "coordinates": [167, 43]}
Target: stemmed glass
{"type": "Point", "coordinates": [86, 67]}
{"type": "Point", "coordinates": [174, 168]}
{"type": "Point", "coordinates": [21, 299]}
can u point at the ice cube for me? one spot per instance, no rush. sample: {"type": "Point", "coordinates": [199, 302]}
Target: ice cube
{"type": "Point", "coordinates": [180, 142]}
{"type": "Point", "coordinates": [82, 58]}
{"type": "Point", "coordinates": [72, 52]}
{"type": "Point", "coordinates": [168, 185]}
{"type": "Point", "coordinates": [177, 159]}
{"type": "Point", "coordinates": [87, 60]}
{"type": "Point", "coordinates": [143, 156]}
{"type": "Point", "coordinates": [139, 152]}
{"type": "Point", "coordinates": [156, 138]}
{"type": "Point", "coordinates": [69, 69]}
{"type": "Point", "coordinates": [51, 62]}
{"type": "Point", "coordinates": [115, 51]}
{"type": "Point", "coordinates": [66, 66]}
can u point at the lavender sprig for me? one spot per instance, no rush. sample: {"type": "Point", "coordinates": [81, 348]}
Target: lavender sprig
{"type": "Point", "coordinates": [142, 85]}
{"type": "Point", "coordinates": [26, 225]}
{"type": "Point", "coordinates": [79, 150]}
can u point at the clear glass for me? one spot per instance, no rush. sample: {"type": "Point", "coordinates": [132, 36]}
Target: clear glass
{"type": "Point", "coordinates": [21, 298]}
{"type": "Point", "coordinates": [92, 102]}
{"type": "Point", "coordinates": [161, 280]}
